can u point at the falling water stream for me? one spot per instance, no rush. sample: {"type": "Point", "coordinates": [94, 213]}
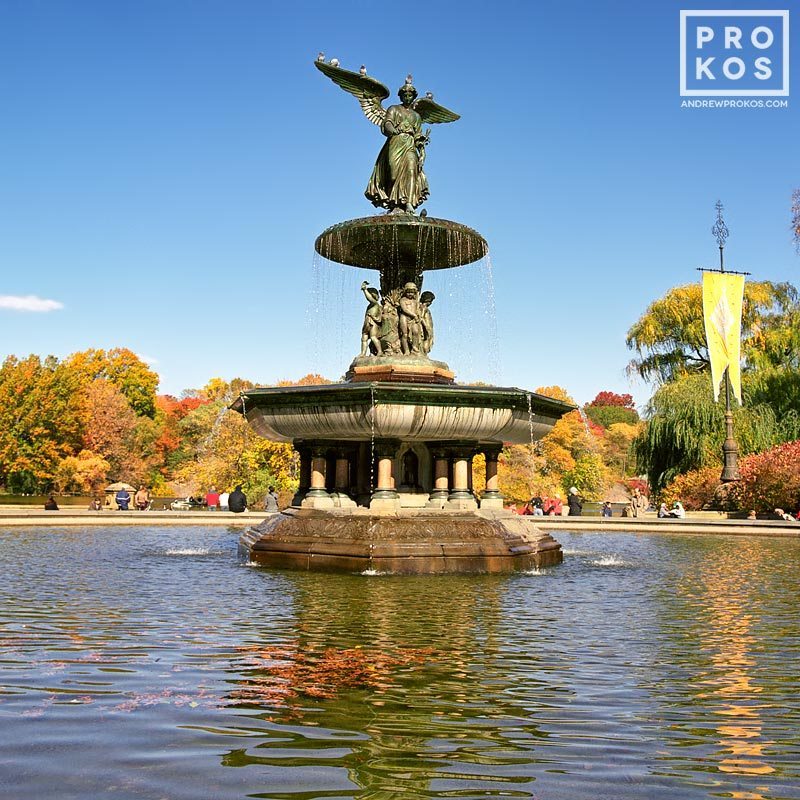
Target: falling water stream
{"type": "Point", "coordinates": [464, 315]}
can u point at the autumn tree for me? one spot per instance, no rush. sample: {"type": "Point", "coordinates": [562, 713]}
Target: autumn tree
{"type": "Point", "coordinates": [609, 408]}
{"type": "Point", "coordinates": [39, 422]}
{"type": "Point", "coordinates": [121, 368]}
{"type": "Point", "coordinates": [669, 338]}
{"type": "Point", "coordinates": [85, 473]}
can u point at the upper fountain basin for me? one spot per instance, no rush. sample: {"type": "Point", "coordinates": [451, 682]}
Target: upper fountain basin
{"type": "Point", "coordinates": [412, 412]}
{"type": "Point", "coordinates": [401, 241]}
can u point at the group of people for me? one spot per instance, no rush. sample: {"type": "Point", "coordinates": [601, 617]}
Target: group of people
{"type": "Point", "coordinates": [234, 501]}
{"type": "Point", "coordinates": [553, 506]}
{"type": "Point", "coordinates": [676, 512]}
{"type": "Point", "coordinates": [141, 500]}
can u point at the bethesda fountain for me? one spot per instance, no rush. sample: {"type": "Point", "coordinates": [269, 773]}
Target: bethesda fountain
{"type": "Point", "coordinates": [386, 457]}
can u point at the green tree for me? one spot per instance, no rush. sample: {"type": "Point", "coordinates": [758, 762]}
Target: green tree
{"type": "Point", "coordinates": [590, 476]}
{"type": "Point", "coordinates": [685, 429]}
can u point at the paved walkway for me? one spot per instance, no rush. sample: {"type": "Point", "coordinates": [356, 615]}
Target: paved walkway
{"type": "Point", "coordinates": [700, 523]}
{"type": "Point", "coordinates": [695, 523]}
{"type": "Point", "coordinates": [66, 516]}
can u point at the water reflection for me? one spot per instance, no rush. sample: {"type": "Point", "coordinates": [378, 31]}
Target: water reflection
{"type": "Point", "coordinates": [643, 668]}
{"type": "Point", "coordinates": [733, 696]}
{"type": "Point", "coordinates": [400, 680]}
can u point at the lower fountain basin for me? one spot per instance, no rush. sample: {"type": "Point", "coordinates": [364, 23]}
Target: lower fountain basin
{"type": "Point", "coordinates": [409, 543]}
{"type": "Point", "coordinates": [362, 411]}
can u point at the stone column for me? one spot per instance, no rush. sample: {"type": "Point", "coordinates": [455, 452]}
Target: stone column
{"type": "Point", "coordinates": [317, 496]}
{"type": "Point", "coordinates": [341, 493]}
{"type": "Point", "coordinates": [460, 495]}
{"type": "Point", "coordinates": [491, 497]}
{"type": "Point", "coordinates": [384, 496]}
{"type": "Point", "coordinates": [441, 483]}
{"type": "Point", "coordinates": [305, 472]}
{"type": "Point", "coordinates": [363, 468]}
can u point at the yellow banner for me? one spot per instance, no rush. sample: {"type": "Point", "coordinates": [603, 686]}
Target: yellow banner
{"type": "Point", "coordinates": [722, 314]}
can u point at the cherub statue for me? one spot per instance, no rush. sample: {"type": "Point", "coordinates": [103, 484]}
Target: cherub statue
{"type": "Point", "coordinates": [390, 326]}
{"type": "Point", "coordinates": [397, 182]}
{"type": "Point", "coordinates": [426, 320]}
{"type": "Point", "coordinates": [410, 327]}
{"type": "Point", "coordinates": [373, 316]}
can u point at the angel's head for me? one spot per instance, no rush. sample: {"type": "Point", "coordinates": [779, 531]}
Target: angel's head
{"type": "Point", "coordinates": [407, 94]}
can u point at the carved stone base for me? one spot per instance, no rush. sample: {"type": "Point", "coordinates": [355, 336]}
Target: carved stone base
{"type": "Point", "coordinates": [491, 502]}
{"type": "Point", "coordinates": [396, 368]}
{"type": "Point", "coordinates": [403, 542]}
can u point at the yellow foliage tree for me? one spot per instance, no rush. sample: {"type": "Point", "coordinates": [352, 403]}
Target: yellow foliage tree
{"type": "Point", "coordinates": [85, 473]}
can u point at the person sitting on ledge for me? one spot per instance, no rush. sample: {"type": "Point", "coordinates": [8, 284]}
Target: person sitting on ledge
{"type": "Point", "coordinates": [607, 510]}
{"type": "Point", "coordinates": [752, 515]}
{"type": "Point", "coordinates": [663, 511]}
{"type": "Point", "coordinates": [677, 510]}
{"type": "Point", "coordinates": [95, 505]}
{"type": "Point", "coordinates": [142, 499]}
{"type": "Point", "coordinates": [237, 502]}
{"type": "Point", "coordinates": [271, 500]}
{"type": "Point", "coordinates": [781, 514]}
{"type": "Point", "coordinates": [50, 504]}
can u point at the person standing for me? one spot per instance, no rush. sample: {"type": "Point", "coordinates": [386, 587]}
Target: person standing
{"type": "Point", "coordinates": [123, 498]}
{"type": "Point", "coordinates": [212, 499]}
{"type": "Point", "coordinates": [574, 503]}
{"type": "Point", "coordinates": [237, 502]}
{"type": "Point", "coordinates": [271, 500]}
{"type": "Point", "coordinates": [142, 499]}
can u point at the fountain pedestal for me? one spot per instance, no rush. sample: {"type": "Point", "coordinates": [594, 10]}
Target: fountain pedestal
{"type": "Point", "coordinates": [412, 542]}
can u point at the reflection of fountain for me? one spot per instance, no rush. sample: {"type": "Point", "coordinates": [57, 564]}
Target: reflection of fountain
{"type": "Point", "coordinates": [386, 457]}
{"type": "Point", "coordinates": [373, 688]}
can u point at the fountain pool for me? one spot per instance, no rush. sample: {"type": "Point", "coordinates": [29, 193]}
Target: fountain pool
{"type": "Point", "coordinates": [146, 665]}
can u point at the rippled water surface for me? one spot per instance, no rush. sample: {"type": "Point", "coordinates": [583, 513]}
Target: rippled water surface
{"type": "Point", "coordinates": [150, 663]}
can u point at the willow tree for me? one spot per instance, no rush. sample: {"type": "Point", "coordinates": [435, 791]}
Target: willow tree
{"type": "Point", "coordinates": [685, 428]}
{"type": "Point", "coordinates": [669, 338]}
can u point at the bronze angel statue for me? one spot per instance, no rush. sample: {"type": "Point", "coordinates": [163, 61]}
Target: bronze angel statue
{"type": "Point", "coordinates": [397, 183]}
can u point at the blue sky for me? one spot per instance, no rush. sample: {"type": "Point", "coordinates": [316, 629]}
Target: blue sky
{"type": "Point", "coordinates": [165, 167]}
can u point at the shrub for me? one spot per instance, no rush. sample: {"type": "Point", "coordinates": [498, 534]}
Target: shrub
{"type": "Point", "coordinates": [589, 475]}
{"type": "Point", "coordinates": [769, 480]}
{"type": "Point", "coordinates": [695, 489]}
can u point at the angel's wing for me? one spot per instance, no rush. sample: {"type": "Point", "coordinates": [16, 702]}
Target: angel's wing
{"type": "Point", "coordinates": [366, 90]}
{"type": "Point", "coordinates": [433, 112]}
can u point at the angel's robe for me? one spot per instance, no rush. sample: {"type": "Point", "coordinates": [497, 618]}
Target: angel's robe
{"type": "Point", "coordinates": [397, 181]}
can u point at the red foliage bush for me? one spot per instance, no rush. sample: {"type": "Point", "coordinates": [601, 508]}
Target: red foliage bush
{"type": "Point", "coordinates": [613, 399]}
{"type": "Point", "coordinates": [638, 483]}
{"type": "Point", "coordinates": [769, 480]}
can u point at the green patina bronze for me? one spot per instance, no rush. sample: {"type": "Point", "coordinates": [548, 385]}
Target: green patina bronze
{"type": "Point", "coordinates": [398, 182]}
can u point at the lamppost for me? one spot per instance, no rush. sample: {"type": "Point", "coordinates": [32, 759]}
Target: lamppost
{"type": "Point", "coordinates": [730, 450]}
